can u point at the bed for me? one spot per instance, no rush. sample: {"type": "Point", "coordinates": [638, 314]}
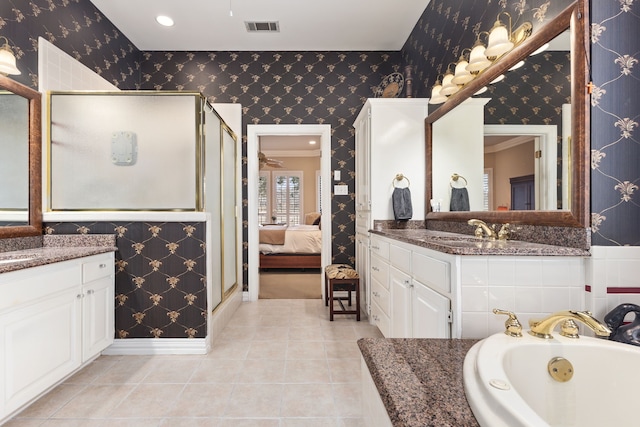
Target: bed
{"type": "Point", "coordinates": [295, 246]}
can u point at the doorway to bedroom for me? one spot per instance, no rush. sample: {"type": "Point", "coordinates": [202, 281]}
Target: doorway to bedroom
{"type": "Point", "coordinates": [289, 212]}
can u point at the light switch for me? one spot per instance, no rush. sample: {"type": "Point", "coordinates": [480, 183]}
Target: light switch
{"type": "Point", "coordinates": [336, 175]}
{"type": "Point", "coordinates": [341, 190]}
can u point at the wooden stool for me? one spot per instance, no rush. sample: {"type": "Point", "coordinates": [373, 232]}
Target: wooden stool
{"type": "Point", "coordinates": [341, 277]}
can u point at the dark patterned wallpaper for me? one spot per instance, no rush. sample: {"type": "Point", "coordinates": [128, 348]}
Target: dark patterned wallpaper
{"type": "Point", "coordinates": [160, 276]}
{"type": "Point", "coordinates": [615, 115]}
{"type": "Point", "coordinates": [76, 27]}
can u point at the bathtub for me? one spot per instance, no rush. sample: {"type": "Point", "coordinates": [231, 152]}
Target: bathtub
{"type": "Point", "coordinates": [507, 382]}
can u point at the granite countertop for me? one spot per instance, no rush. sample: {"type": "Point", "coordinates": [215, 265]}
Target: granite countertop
{"type": "Point", "coordinates": [420, 380]}
{"type": "Point", "coordinates": [55, 248]}
{"type": "Point", "coordinates": [461, 244]}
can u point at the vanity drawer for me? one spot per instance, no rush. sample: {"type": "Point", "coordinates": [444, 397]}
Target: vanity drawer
{"type": "Point", "coordinates": [400, 258]}
{"type": "Point", "coordinates": [431, 272]}
{"type": "Point", "coordinates": [380, 270]}
{"type": "Point", "coordinates": [97, 268]}
{"type": "Point", "coordinates": [380, 319]}
{"type": "Point", "coordinates": [379, 247]}
{"type": "Point", "coordinates": [380, 296]}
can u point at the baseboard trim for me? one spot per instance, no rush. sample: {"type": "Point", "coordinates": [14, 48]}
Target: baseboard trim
{"type": "Point", "coordinates": [152, 346]}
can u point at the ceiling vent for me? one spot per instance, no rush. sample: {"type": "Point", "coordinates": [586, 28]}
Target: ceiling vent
{"type": "Point", "coordinates": [262, 27]}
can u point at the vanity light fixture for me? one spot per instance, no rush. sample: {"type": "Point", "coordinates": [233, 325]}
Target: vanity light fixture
{"type": "Point", "coordinates": [7, 59]}
{"type": "Point", "coordinates": [164, 20]}
{"type": "Point", "coordinates": [502, 40]}
{"type": "Point", "coordinates": [436, 96]}
{"type": "Point", "coordinates": [462, 75]}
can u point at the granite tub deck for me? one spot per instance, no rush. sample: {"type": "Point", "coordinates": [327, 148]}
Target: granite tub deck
{"type": "Point", "coordinates": [461, 244]}
{"type": "Point", "coordinates": [50, 249]}
{"type": "Point", "coordinates": [420, 380]}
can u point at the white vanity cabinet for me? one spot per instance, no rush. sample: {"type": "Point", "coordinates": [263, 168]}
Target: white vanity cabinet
{"type": "Point", "coordinates": [53, 318]}
{"type": "Point", "coordinates": [414, 286]}
{"type": "Point", "coordinates": [98, 305]}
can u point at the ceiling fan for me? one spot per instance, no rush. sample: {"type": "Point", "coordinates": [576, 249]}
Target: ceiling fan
{"type": "Point", "coordinates": [267, 161]}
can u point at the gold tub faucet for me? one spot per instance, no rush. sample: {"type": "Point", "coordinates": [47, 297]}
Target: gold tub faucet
{"type": "Point", "coordinates": [542, 328]}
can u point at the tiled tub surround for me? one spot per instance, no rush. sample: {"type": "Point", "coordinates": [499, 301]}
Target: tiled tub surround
{"type": "Point", "coordinates": [42, 250]}
{"type": "Point", "coordinates": [420, 380]}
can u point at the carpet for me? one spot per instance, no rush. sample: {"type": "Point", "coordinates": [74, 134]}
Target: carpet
{"type": "Point", "coordinates": [282, 284]}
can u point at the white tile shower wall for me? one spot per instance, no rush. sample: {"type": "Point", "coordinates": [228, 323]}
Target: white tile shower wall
{"type": "Point", "coordinates": [532, 287]}
{"type": "Point", "coordinates": [613, 274]}
{"type": "Point", "coordinates": [59, 71]}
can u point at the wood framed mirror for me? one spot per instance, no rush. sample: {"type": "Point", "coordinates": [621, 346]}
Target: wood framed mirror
{"type": "Point", "coordinates": [576, 214]}
{"type": "Point", "coordinates": [21, 200]}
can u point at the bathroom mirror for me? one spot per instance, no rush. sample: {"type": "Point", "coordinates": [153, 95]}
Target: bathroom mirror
{"type": "Point", "coordinates": [20, 150]}
{"type": "Point", "coordinates": [571, 208]}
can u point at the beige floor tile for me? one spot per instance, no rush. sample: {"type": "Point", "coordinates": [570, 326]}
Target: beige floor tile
{"type": "Point", "coordinates": [201, 400]}
{"type": "Point", "coordinates": [309, 422]}
{"type": "Point", "coordinates": [190, 422]}
{"type": "Point", "coordinates": [305, 350]}
{"type": "Point", "coordinates": [342, 349]}
{"type": "Point", "coordinates": [272, 333]}
{"type": "Point", "coordinates": [148, 401]}
{"type": "Point", "coordinates": [267, 350]}
{"type": "Point", "coordinates": [51, 402]}
{"type": "Point", "coordinates": [305, 333]}
{"type": "Point", "coordinates": [95, 401]}
{"type": "Point", "coordinates": [348, 399]}
{"type": "Point", "coordinates": [279, 363]}
{"type": "Point", "coordinates": [262, 371]}
{"type": "Point", "coordinates": [308, 400]}
{"type": "Point", "coordinates": [228, 350]}
{"type": "Point", "coordinates": [306, 371]}
{"type": "Point", "coordinates": [344, 370]}
{"type": "Point", "coordinates": [170, 369]}
{"type": "Point", "coordinates": [254, 400]}
{"type": "Point", "coordinates": [249, 422]}
{"type": "Point", "coordinates": [217, 371]}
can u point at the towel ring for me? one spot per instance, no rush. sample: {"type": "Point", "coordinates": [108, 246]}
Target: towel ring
{"type": "Point", "coordinates": [399, 177]}
{"type": "Point", "coordinates": [455, 177]}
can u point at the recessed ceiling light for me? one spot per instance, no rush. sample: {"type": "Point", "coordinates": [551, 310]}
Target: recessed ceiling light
{"type": "Point", "coordinates": [164, 20]}
{"type": "Point", "coordinates": [312, 142]}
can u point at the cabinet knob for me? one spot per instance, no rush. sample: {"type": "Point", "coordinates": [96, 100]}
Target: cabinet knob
{"type": "Point", "coordinates": [374, 268]}
{"type": "Point", "coordinates": [90, 292]}
{"type": "Point", "coordinates": [79, 296]}
{"type": "Point", "coordinates": [103, 266]}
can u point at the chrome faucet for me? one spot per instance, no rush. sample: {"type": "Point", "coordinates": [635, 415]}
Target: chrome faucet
{"type": "Point", "coordinates": [482, 228]}
{"type": "Point", "coordinates": [543, 328]}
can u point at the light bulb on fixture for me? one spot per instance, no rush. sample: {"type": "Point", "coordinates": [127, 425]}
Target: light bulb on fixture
{"type": "Point", "coordinates": [7, 59]}
{"type": "Point", "coordinates": [499, 39]}
{"type": "Point", "coordinates": [436, 95]}
{"type": "Point", "coordinates": [448, 86]}
{"type": "Point", "coordinates": [477, 59]}
{"type": "Point", "coordinates": [462, 75]}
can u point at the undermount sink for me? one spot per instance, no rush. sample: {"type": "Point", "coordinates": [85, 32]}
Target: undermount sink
{"type": "Point", "coordinates": [527, 382]}
{"type": "Point", "coordinates": [10, 259]}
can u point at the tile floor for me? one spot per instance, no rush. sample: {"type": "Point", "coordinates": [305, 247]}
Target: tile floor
{"type": "Point", "coordinates": [279, 363]}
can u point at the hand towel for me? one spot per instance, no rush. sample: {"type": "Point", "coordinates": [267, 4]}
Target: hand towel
{"type": "Point", "coordinates": [401, 200]}
{"type": "Point", "coordinates": [459, 199]}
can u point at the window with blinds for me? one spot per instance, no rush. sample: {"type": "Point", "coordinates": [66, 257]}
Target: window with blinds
{"type": "Point", "coordinates": [287, 198]}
